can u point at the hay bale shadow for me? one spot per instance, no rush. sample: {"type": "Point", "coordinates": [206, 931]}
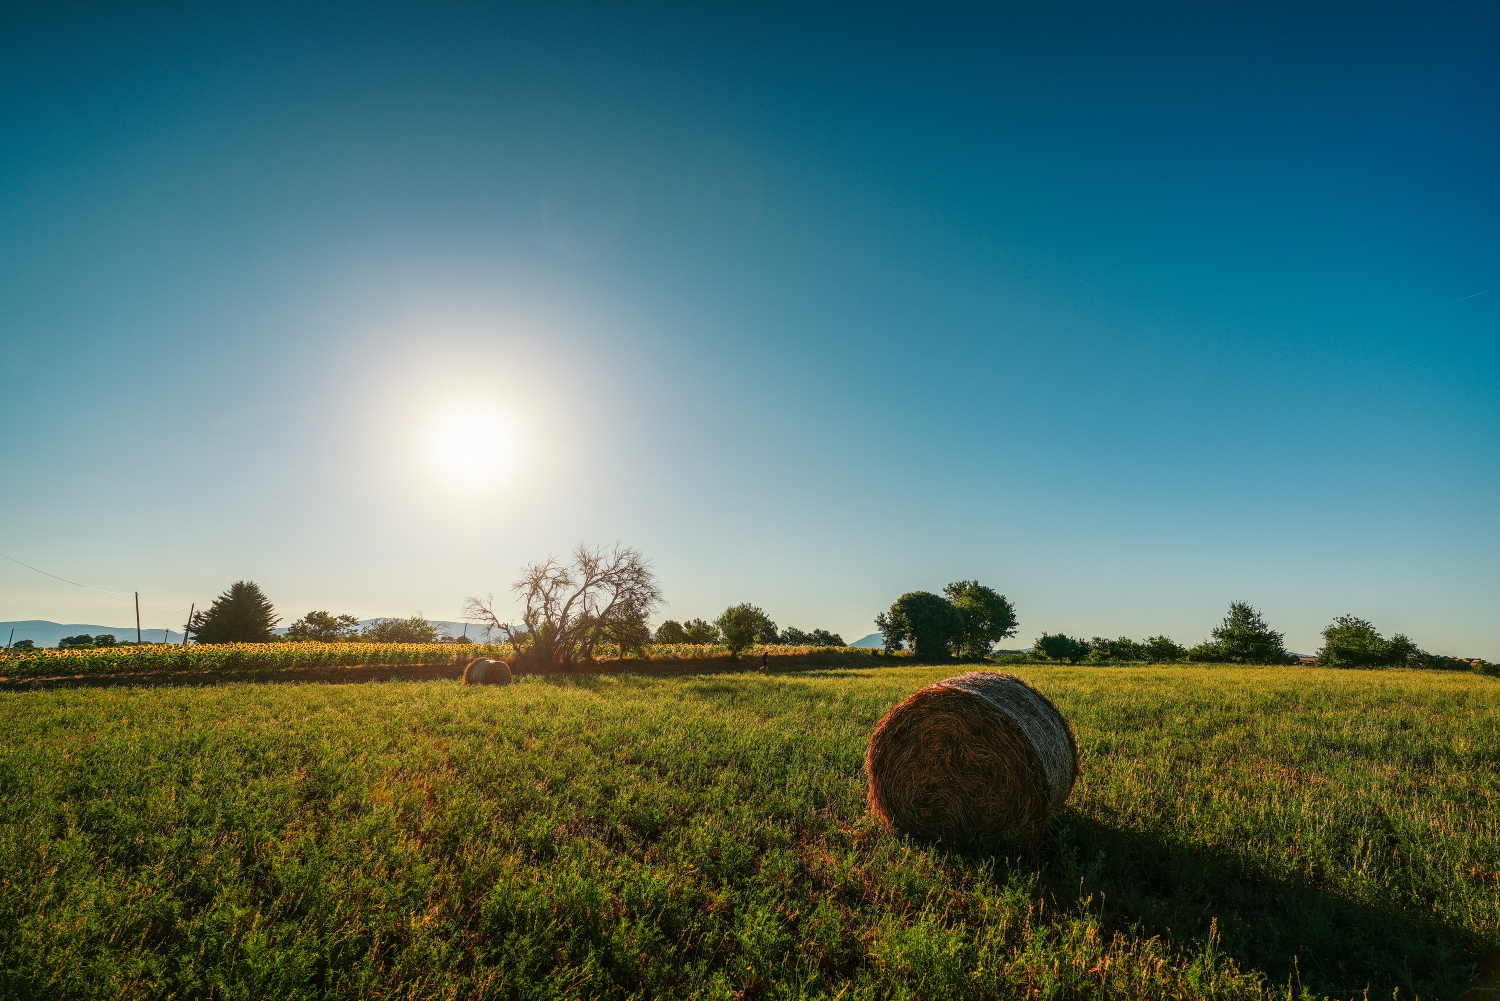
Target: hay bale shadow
{"type": "Point", "coordinates": [1148, 882]}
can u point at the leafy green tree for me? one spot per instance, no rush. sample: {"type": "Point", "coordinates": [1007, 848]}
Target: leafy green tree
{"type": "Point", "coordinates": [23, 645]}
{"type": "Point", "coordinates": [927, 622]}
{"type": "Point", "coordinates": [242, 614]}
{"type": "Point", "coordinates": [768, 635]}
{"type": "Point", "coordinates": [83, 641]}
{"type": "Point", "coordinates": [1056, 646]}
{"type": "Point", "coordinates": [670, 631]}
{"type": "Point", "coordinates": [105, 639]}
{"type": "Point", "coordinates": [1121, 650]}
{"type": "Point", "coordinates": [988, 617]}
{"type": "Point", "coordinates": [626, 628]}
{"type": "Point", "coordinates": [1353, 642]}
{"type": "Point", "coordinates": [818, 637]}
{"type": "Point", "coordinates": [1162, 650]}
{"type": "Point", "coordinates": [323, 628]}
{"type": "Point", "coordinates": [700, 631]}
{"type": "Point", "coordinates": [741, 626]}
{"type": "Point", "coordinates": [415, 629]}
{"type": "Point", "coordinates": [1243, 638]}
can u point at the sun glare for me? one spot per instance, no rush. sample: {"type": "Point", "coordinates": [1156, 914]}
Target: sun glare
{"type": "Point", "coordinates": [473, 444]}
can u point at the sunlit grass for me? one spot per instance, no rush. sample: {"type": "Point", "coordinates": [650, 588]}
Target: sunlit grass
{"type": "Point", "coordinates": [706, 836]}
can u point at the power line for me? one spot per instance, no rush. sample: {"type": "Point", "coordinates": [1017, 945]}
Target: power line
{"type": "Point", "coordinates": [65, 580]}
{"type": "Point", "coordinates": [101, 590]}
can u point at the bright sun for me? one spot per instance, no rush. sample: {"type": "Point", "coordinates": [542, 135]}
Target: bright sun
{"type": "Point", "coordinates": [473, 443]}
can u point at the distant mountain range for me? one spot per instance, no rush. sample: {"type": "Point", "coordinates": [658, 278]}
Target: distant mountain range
{"type": "Point", "coordinates": [874, 639]}
{"type": "Point", "coordinates": [45, 633]}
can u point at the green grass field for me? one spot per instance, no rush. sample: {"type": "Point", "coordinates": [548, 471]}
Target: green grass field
{"type": "Point", "coordinates": [1236, 833]}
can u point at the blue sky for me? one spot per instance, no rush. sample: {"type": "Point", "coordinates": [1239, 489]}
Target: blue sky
{"type": "Point", "coordinates": [1126, 311]}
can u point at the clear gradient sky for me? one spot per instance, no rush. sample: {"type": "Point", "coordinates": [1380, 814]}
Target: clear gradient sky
{"type": "Point", "coordinates": [1126, 311]}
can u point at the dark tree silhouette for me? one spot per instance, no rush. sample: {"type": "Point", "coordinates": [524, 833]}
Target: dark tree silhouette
{"type": "Point", "coordinates": [323, 627]}
{"type": "Point", "coordinates": [569, 606]}
{"type": "Point", "coordinates": [242, 614]}
{"type": "Point", "coordinates": [927, 622]}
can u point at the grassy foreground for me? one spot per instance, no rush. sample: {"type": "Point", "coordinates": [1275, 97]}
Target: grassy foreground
{"type": "Point", "coordinates": [1236, 831]}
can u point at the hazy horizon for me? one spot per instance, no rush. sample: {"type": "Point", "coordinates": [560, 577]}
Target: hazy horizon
{"type": "Point", "coordinates": [1126, 313]}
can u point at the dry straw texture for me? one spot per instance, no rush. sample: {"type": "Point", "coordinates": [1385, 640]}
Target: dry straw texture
{"type": "Point", "coordinates": [483, 671]}
{"type": "Point", "coordinates": [978, 758]}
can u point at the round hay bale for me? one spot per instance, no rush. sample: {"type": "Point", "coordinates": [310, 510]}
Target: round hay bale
{"type": "Point", "coordinates": [487, 672]}
{"type": "Point", "coordinates": [979, 758]}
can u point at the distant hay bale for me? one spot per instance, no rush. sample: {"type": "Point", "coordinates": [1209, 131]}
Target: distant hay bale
{"type": "Point", "coordinates": [979, 758]}
{"type": "Point", "coordinates": [487, 672]}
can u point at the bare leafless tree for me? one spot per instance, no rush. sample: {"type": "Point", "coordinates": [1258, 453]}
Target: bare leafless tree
{"type": "Point", "coordinates": [570, 607]}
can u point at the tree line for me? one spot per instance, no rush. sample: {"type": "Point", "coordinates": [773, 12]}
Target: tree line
{"type": "Point", "coordinates": [244, 614]}
{"type": "Point", "coordinates": [1244, 637]}
{"type": "Point", "coordinates": [598, 596]}
{"type": "Point", "coordinates": [739, 627]}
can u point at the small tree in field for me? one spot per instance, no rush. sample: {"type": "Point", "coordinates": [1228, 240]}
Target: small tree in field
{"type": "Point", "coordinates": [700, 631]}
{"type": "Point", "coordinates": [242, 614]}
{"type": "Point", "coordinates": [670, 631]}
{"type": "Point", "coordinates": [988, 617]}
{"type": "Point", "coordinates": [627, 629]}
{"type": "Point", "coordinates": [741, 626]}
{"type": "Point", "coordinates": [569, 606]}
{"type": "Point", "coordinates": [925, 621]}
{"type": "Point", "coordinates": [1353, 642]}
{"type": "Point", "coordinates": [415, 629]}
{"type": "Point", "coordinates": [322, 627]}
{"type": "Point", "coordinates": [1243, 638]}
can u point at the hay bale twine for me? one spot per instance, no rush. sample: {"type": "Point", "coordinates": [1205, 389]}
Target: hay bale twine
{"type": "Point", "coordinates": [487, 672]}
{"type": "Point", "coordinates": [979, 758]}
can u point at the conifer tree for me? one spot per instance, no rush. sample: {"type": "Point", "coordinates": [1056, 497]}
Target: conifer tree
{"type": "Point", "coordinates": [242, 614]}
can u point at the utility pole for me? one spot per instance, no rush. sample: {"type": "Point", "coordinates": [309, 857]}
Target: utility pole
{"type": "Point", "coordinates": [137, 618]}
{"type": "Point", "coordinates": [189, 627]}
{"type": "Point", "coordinates": [12, 637]}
